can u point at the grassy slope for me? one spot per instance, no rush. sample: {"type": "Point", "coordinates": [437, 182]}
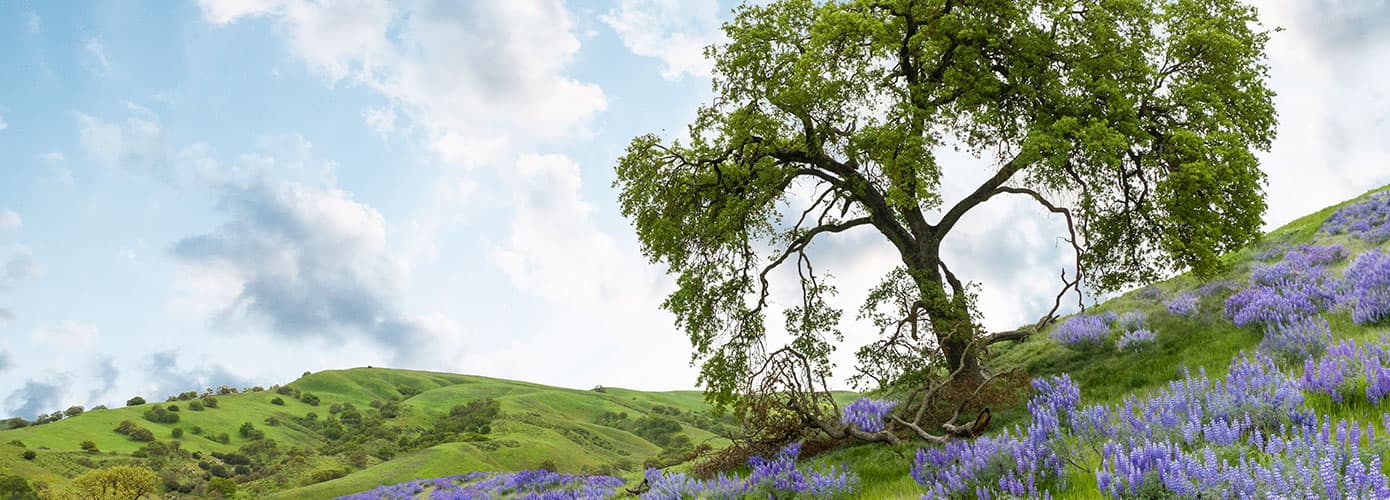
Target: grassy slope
{"type": "Point", "coordinates": [1207, 341]}
{"type": "Point", "coordinates": [538, 423]}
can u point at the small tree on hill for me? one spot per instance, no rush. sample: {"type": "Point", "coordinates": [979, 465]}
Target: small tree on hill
{"type": "Point", "coordinates": [135, 401]}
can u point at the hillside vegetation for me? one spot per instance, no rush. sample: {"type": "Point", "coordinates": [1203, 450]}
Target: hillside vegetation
{"type": "Point", "coordinates": [387, 430]}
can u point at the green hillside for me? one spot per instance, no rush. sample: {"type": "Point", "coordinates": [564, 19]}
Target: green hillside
{"type": "Point", "coordinates": [1206, 341]}
{"type": "Point", "coordinates": [536, 425]}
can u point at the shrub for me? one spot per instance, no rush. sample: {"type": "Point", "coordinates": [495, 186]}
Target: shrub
{"type": "Point", "coordinates": [73, 411]}
{"type": "Point", "coordinates": [160, 415]}
{"type": "Point", "coordinates": [277, 401]}
{"type": "Point", "coordinates": [309, 398]}
{"type": "Point", "coordinates": [222, 487]}
{"type": "Point", "coordinates": [177, 432]}
{"type": "Point", "coordinates": [142, 435]}
{"type": "Point", "coordinates": [29, 454]}
{"type": "Point", "coordinates": [126, 427]}
{"type": "Point", "coordinates": [195, 405]}
{"type": "Point", "coordinates": [122, 481]}
{"type": "Point", "coordinates": [16, 488]}
{"type": "Point", "coordinates": [224, 438]}
{"type": "Point", "coordinates": [173, 407]}
{"type": "Point", "coordinates": [407, 390]}
{"type": "Point", "coordinates": [250, 431]}
{"type": "Point", "coordinates": [90, 447]}
{"type": "Point", "coordinates": [135, 401]}
{"type": "Point", "coordinates": [210, 401]}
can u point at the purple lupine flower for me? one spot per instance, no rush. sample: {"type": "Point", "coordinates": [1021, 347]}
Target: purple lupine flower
{"type": "Point", "coordinates": [867, 414]}
{"type": "Point", "coordinates": [1134, 340]}
{"type": "Point", "coordinates": [1184, 304]}
{"type": "Point", "coordinates": [1367, 287]}
{"type": "Point", "coordinates": [1083, 330]}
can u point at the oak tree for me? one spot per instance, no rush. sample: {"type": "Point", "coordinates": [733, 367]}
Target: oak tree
{"type": "Point", "coordinates": [1135, 122]}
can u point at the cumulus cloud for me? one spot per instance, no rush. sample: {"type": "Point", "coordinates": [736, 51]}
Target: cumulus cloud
{"type": "Point", "coordinates": [10, 220]}
{"type": "Point", "coordinates": [36, 398]}
{"type": "Point", "coordinates": [70, 334]}
{"type": "Point", "coordinates": [673, 31]}
{"type": "Point", "coordinates": [470, 73]}
{"type": "Point", "coordinates": [19, 269]}
{"type": "Point", "coordinates": [307, 261]}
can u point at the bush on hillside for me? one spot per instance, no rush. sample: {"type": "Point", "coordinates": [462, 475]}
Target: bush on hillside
{"type": "Point", "coordinates": [135, 401]}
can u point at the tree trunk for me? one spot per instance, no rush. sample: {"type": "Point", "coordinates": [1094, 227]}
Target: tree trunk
{"type": "Point", "coordinates": [953, 326]}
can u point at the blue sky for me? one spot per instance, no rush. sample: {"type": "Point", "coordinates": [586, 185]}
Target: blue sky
{"type": "Point", "coordinates": [234, 192]}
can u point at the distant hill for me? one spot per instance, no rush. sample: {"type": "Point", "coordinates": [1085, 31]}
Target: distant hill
{"type": "Point", "coordinates": [609, 430]}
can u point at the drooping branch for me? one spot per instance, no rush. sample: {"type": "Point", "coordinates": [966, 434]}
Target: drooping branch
{"type": "Point", "coordinates": [1072, 284]}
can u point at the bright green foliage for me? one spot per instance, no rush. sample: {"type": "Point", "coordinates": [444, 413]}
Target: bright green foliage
{"type": "Point", "coordinates": [1135, 120]}
{"type": "Point", "coordinates": [123, 482]}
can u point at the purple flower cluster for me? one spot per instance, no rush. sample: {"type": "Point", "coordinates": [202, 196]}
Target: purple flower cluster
{"type": "Point", "coordinates": [1020, 463]}
{"type": "Point", "coordinates": [1308, 461]}
{"type": "Point", "coordinates": [1083, 329]}
{"type": "Point", "coordinates": [1296, 340]}
{"type": "Point", "coordinates": [1184, 304]}
{"type": "Point", "coordinates": [867, 414]}
{"type": "Point", "coordinates": [1133, 340]}
{"type": "Point", "coordinates": [1366, 288]}
{"type": "Point", "coordinates": [1350, 369]}
{"type": "Point", "coordinates": [1367, 219]}
{"type": "Point", "coordinates": [1159, 444]}
{"type": "Point", "coordinates": [528, 484]}
{"type": "Point", "coordinates": [1296, 287]}
{"type": "Point", "coordinates": [771, 477]}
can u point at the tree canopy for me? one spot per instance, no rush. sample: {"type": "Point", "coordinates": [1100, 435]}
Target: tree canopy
{"type": "Point", "coordinates": [1135, 121]}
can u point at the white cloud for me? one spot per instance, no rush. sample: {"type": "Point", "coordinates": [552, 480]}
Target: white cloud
{"type": "Point", "coordinates": [96, 53]}
{"type": "Point", "coordinates": [380, 120]}
{"type": "Point", "coordinates": [673, 31]}
{"type": "Point", "coordinates": [469, 73]}
{"type": "Point", "coordinates": [10, 220]}
{"type": "Point", "coordinates": [70, 334]}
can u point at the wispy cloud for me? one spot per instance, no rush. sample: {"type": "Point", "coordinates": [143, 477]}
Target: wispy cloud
{"type": "Point", "coordinates": [96, 53]}
{"type": "Point", "coordinates": [676, 33]}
